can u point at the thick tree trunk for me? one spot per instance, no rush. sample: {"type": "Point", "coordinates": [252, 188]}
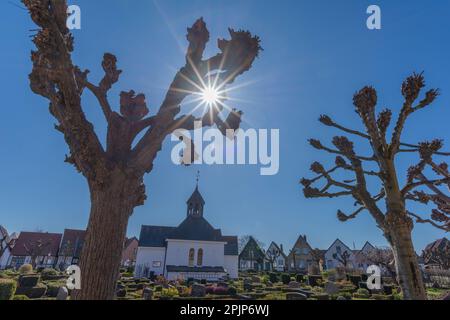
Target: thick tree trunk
{"type": "Point", "coordinates": [102, 249]}
{"type": "Point", "coordinates": [408, 271]}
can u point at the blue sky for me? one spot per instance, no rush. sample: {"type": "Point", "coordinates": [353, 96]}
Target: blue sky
{"type": "Point", "coordinates": [317, 54]}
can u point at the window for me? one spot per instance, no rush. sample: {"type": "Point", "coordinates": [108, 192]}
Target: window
{"type": "Point", "coordinates": [191, 257]}
{"type": "Point", "coordinates": [156, 264]}
{"type": "Point", "coordinates": [200, 257]}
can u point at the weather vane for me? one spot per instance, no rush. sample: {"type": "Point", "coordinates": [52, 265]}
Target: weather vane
{"type": "Point", "coordinates": [198, 177]}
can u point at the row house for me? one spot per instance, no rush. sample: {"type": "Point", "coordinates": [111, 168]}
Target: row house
{"type": "Point", "coordinates": [51, 250]}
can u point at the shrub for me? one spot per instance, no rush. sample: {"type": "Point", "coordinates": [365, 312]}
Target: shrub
{"type": "Point", "coordinates": [285, 278]}
{"type": "Point", "coordinates": [7, 289]}
{"type": "Point", "coordinates": [158, 288]}
{"type": "Point", "coordinates": [363, 293]}
{"type": "Point", "coordinates": [273, 277]}
{"type": "Point", "coordinates": [169, 293]}
{"type": "Point", "coordinates": [21, 297]}
{"type": "Point", "coordinates": [128, 275]}
{"type": "Point", "coordinates": [48, 273]}
{"type": "Point", "coordinates": [26, 268]}
{"type": "Point", "coordinates": [317, 290]}
{"type": "Point", "coordinates": [232, 291]}
{"type": "Point", "coordinates": [346, 295]}
{"type": "Point", "coordinates": [28, 281]}
{"type": "Point", "coordinates": [299, 278]}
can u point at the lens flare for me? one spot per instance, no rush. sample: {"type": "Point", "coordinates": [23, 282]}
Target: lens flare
{"type": "Point", "coordinates": [210, 96]}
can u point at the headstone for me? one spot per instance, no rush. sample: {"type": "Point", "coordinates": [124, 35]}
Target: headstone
{"type": "Point", "coordinates": [387, 289]}
{"type": "Point", "coordinates": [340, 274]}
{"type": "Point", "coordinates": [331, 288]}
{"type": "Point", "coordinates": [198, 290]}
{"type": "Point", "coordinates": [121, 293]}
{"type": "Point", "coordinates": [295, 296]}
{"type": "Point", "coordinates": [147, 294]}
{"type": "Point", "coordinates": [248, 286]}
{"type": "Point", "coordinates": [294, 285]}
{"type": "Point", "coordinates": [63, 293]}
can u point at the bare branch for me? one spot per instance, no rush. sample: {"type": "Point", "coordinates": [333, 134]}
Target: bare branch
{"type": "Point", "coordinates": [419, 219]}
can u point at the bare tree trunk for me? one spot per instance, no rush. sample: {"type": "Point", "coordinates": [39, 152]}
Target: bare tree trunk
{"type": "Point", "coordinates": [102, 250]}
{"type": "Point", "coordinates": [408, 271]}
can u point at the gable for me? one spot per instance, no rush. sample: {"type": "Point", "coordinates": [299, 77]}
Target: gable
{"type": "Point", "coordinates": [338, 243]}
{"type": "Point", "coordinates": [252, 251]}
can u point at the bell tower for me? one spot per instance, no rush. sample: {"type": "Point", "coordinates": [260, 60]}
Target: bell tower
{"type": "Point", "coordinates": [195, 203]}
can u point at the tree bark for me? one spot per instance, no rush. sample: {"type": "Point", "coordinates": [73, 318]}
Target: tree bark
{"type": "Point", "coordinates": [102, 249]}
{"type": "Point", "coordinates": [407, 267]}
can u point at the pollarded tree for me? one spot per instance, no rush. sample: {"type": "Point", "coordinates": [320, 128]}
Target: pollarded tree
{"type": "Point", "coordinates": [382, 257]}
{"type": "Point", "coordinates": [115, 172]}
{"type": "Point", "coordinates": [394, 219]}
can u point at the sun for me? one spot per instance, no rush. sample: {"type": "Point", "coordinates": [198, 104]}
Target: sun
{"type": "Point", "coordinates": [210, 96]}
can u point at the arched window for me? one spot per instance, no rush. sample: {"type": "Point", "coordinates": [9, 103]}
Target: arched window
{"type": "Point", "coordinates": [191, 257]}
{"type": "Point", "coordinates": [200, 257]}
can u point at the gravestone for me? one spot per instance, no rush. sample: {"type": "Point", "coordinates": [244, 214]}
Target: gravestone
{"type": "Point", "coordinates": [294, 285]}
{"type": "Point", "coordinates": [198, 290]}
{"type": "Point", "coordinates": [331, 288]}
{"type": "Point", "coordinates": [295, 296]}
{"type": "Point", "coordinates": [147, 294]}
{"type": "Point", "coordinates": [63, 293]}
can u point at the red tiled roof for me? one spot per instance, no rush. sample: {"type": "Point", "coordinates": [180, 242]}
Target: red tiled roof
{"type": "Point", "coordinates": [29, 240]}
{"type": "Point", "coordinates": [437, 244]}
{"type": "Point", "coordinates": [72, 242]}
{"type": "Point", "coordinates": [129, 241]}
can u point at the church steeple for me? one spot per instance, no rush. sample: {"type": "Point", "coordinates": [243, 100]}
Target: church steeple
{"type": "Point", "coordinates": [195, 203]}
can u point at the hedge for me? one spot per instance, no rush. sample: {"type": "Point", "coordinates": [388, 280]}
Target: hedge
{"type": "Point", "coordinates": [7, 289]}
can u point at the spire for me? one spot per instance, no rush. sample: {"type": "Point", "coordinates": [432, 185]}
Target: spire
{"type": "Point", "coordinates": [195, 203]}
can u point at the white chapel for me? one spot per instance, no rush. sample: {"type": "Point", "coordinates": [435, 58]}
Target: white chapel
{"type": "Point", "coordinates": [194, 249]}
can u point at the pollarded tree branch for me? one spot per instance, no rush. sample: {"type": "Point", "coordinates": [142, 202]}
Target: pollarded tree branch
{"type": "Point", "coordinates": [236, 57]}
{"type": "Point", "coordinates": [111, 77]}
{"type": "Point", "coordinates": [319, 146]}
{"type": "Point", "coordinates": [55, 77]}
{"type": "Point", "coordinates": [419, 219]}
{"type": "Point", "coordinates": [411, 90]}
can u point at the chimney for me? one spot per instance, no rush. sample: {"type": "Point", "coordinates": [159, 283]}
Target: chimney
{"type": "Point", "coordinates": [304, 237]}
{"type": "Point", "coordinates": [281, 247]}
